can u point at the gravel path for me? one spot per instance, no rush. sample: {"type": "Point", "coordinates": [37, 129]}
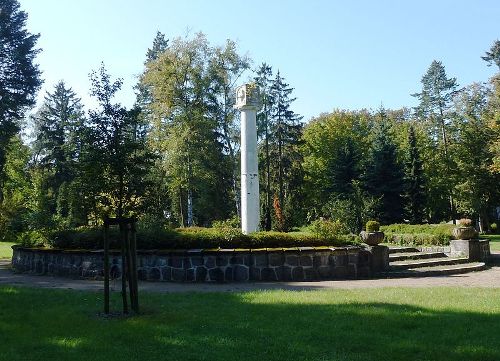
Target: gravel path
{"type": "Point", "coordinates": [487, 278]}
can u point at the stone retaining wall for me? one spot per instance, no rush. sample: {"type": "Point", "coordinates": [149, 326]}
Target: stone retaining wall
{"type": "Point", "coordinates": [224, 265]}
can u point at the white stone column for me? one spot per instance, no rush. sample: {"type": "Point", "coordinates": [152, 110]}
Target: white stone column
{"type": "Point", "coordinates": [247, 101]}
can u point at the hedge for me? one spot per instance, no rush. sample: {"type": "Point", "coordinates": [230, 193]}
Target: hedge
{"type": "Point", "coordinates": [191, 238]}
{"type": "Point", "coordinates": [418, 235]}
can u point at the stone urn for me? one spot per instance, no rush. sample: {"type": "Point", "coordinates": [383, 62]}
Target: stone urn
{"type": "Point", "coordinates": [464, 233]}
{"type": "Point", "coordinates": [372, 238]}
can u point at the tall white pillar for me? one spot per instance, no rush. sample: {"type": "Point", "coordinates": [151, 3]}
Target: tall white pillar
{"type": "Point", "coordinates": [247, 101]}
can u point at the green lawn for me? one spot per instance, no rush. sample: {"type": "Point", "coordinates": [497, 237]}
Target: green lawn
{"type": "Point", "coordinates": [494, 241]}
{"type": "Point", "coordinates": [374, 324]}
{"type": "Point", "coordinates": [5, 250]}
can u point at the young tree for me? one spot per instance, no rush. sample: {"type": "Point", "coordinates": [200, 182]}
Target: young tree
{"type": "Point", "coordinates": [115, 159]}
{"type": "Point", "coordinates": [19, 75]}
{"type": "Point", "coordinates": [435, 101]}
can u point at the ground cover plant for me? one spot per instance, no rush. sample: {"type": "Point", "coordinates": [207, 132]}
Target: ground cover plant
{"type": "Point", "coordinates": [370, 324]}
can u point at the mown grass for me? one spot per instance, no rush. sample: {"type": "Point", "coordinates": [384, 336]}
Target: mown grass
{"type": "Point", "coordinates": [6, 250]}
{"type": "Point", "coordinates": [494, 241]}
{"type": "Point", "coordinates": [374, 324]}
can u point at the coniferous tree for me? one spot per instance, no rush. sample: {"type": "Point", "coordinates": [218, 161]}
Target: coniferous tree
{"type": "Point", "coordinates": [435, 101]}
{"type": "Point", "coordinates": [263, 80]}
{"type": "Point", "coordinates": [384, 176]}
{"type": "Point", "coordinates": [285, 134]}
{"type": "Point", "coordinates": [415, 182]}
{"type": "Point", "coordinates": [19, 75]}
{"type": "Point", "coordinates": [59, 132]}
{"type": "Point", "coordinates": [493, 56]}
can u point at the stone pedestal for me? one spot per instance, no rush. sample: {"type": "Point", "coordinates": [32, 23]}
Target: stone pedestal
{"type": "Point", "coordinates": [379, 258]}
{"type": "Point", "coordinates": [474, 249]}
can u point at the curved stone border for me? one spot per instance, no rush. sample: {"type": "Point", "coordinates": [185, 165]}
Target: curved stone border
{"type": "Point", "coordinates": [209, 265]}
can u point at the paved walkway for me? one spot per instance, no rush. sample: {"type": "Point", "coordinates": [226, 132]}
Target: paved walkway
{"type": "Point", "coordinates": [487, 278]}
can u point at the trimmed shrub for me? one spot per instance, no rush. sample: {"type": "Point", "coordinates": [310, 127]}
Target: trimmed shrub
{"type": "Point", "coordinates": [372, 226]}
{"type": "Point", "coordinates": [418, 235]}
{"type": "Point", "coordinates": [494, 227]}
{"type": "Point", "coordinates": [193, 238]}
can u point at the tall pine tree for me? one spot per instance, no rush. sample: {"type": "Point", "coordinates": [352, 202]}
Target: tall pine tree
{"type": "Point", "coordinates": [435, 101]}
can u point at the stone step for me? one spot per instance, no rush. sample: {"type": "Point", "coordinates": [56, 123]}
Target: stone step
{"type": "Point", "coordinates": [443, 270]}
{"type": "Point", "coordinates": [402, 250]}
{"type": "Point", "coordinates": [409, 264]}
{"type": "Point", "coordinates": [415, 255]}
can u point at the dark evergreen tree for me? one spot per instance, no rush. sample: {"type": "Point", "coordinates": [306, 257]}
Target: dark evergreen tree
{"type": "Point", "coordinates": [384, 176]}
{"type": "Point", "coordinates": [19, 75]}
{"type": "Point", "coordinates": [59, 131]}
{"type": "Point", "coordinates": [160, 44]}
{"type": "Point", "coordinates": [263, 79]}
{"type": "Point", "coordinates": [285, 129]}
{"type": "Point", "coordinates": [415, 181]}
{"type": "Point", "coordinates": [493, 56]}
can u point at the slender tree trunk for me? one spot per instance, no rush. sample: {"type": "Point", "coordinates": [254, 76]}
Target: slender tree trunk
{"type": "Point", "coordinates": [189, 196]}
{"type": "Point", "coordinates": [447, 160]}
{"type": "Point", "coordinates": [268, 174]}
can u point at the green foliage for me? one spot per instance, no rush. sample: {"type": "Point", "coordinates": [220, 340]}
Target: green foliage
{"type": "Point", "coordinates": [32, 239]}
{"type": "Point", "coordinates": [372, 226]}
{"type": "Point", "coordinates": [424, 234]}
{"type": "Point", "coordinates": [193, 238]}
{"type": "Point", "coordinates": [19, 75]}
{"type": "Point", "coordinates": [327, 229]}
{"type": "Point", "coordinates": [352, 210]}
{"type": "Point", "coordinates": [414, 181]}
{"type": "Point", "coordinates": [383, 177]}
{"type": "Point", "coordinates": [494, 227]}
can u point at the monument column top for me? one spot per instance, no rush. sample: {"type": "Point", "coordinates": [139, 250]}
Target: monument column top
{"type": "Point", "coordinates": [248, 97]}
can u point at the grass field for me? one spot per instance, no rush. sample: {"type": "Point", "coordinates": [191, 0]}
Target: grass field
{"type": "Point", "coordinates": [494, 241]}
{"type": "Point", "coordinates": [374, 324]}
{"type": "Point", "coordinates": [5, 250]}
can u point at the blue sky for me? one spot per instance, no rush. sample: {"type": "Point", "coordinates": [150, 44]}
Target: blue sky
{"type": "Point", "coordinates": [336, 54]}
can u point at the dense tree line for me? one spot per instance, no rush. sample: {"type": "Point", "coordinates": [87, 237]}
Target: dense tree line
{"type": "Point", "coordinates": [173, 158]}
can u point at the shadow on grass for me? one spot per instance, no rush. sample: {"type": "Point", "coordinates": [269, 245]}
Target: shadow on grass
{"type": "Point", "coordinates": [333, 325]}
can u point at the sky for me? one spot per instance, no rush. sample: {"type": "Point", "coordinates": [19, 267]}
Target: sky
{"type": "Point", "coordinates": [336, 54]}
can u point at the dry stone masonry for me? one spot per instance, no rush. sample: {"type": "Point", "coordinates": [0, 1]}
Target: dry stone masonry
{"type": "Point", "coordinates": [222, 265]}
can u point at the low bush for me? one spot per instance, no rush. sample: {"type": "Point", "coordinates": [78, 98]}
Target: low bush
{"type": "Point", "coordinates": [193, 238]}
{"type": "Point", "coordinates": [328, 229]}
{"type": "Point", "coordinates": [418, 234]}
{"type": "Point", "coordinates": [372, 226]}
